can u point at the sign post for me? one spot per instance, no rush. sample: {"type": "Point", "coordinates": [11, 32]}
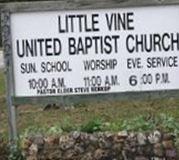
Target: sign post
{"type": "Point", "coordinates": [56, 51]}
{"type": "Point", "coordinates": [5, 22]}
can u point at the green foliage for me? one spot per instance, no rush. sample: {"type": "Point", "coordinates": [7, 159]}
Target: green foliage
{"type": "Point", "coordinates": [113, 126]}
{"type": "Point", "coordinates": [67, 125]}
{"type": "Point", "coordinates": [93, 125]}
{"type": "Point", "coordinates": [164, 122]}
{"type": "Point", "coordinates": [15, 152]}
{"type": "Point", "coordinates": [34, 130]}
{"type": "Point", "coordinates": [177, 143]}
{"type": "Point", "coordinates": [3, 148]}
{"type": "Point", "coordinates": [138, 124]}
{"type": "Point", "coordinates": [168, 123]}
{"type": "Point", "coordinates": [2, 83]}
{"type": "Point", "coordinates": [54, 130]}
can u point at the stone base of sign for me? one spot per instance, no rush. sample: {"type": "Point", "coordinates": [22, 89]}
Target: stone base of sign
{"type": "Point", "coordinates": [101, 146]}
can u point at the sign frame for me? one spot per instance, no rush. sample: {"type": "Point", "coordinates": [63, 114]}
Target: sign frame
{"type": "Point", "coordinates": [8, 8]}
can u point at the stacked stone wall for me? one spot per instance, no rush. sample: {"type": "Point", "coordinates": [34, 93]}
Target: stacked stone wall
{"type": "Point", "coordinates": [101, 146]}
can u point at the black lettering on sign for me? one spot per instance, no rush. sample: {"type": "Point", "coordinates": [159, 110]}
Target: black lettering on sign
{"type": "Point", "coordinates": [134, 63]}
{"type": "Point", "coordinates": [40, 41]}
{"type": "Point", "coordinates": [78, 23]}
{"type": "Point", "coordinates": [100, 64]}
{"type": "Point", "coordinates": [81, 90]}
{"type": "Point", "coordinates": [27, 68]}
{"type": "Point", "coordinates": [152, 42]}
{"type": "Point", "coordinates": [92, 81]}
{"type": "Point", "coordinates": [100, 44]}
{"type": "Point", "coordinates": [46, 91]}
{"type": "Point", "coordinates": [130, 43]}
{"type": "Point", "coordinates": [120, 21]}
{"type": "Point", "coordinates": [100, 89]}
{"type": "Point", "coordinates": [146, 79]}
{"type": "Point", "coordinates": [38, 47]}
{"type": "Point", "coordinates": [160, 62]}
{"type": "Point", "coordinates": [162, 78]}
{"type": "Point", "coordinates": [41, 83]}
{"type": "Point", "coordinates": [112, 80]}
{"type": "Point", "coordinates": [55, 66]}
{"type": "Point", "coordinates": [65, 90]}
{"type": "Point", "coordinates": [58, 83]}
{"type": "Point", "coordinates": [133, 81]}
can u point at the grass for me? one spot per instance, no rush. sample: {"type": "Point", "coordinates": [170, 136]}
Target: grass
{"type": "Point", "coordinates": [2, 84]}
{"type": "Point", "coordinates": [94, 116]}
{"type": "Point", "coordinates": [113, 113]}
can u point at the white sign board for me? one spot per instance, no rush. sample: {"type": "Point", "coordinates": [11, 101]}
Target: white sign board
{"type": "Point", "coordinates": [95, 51]}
